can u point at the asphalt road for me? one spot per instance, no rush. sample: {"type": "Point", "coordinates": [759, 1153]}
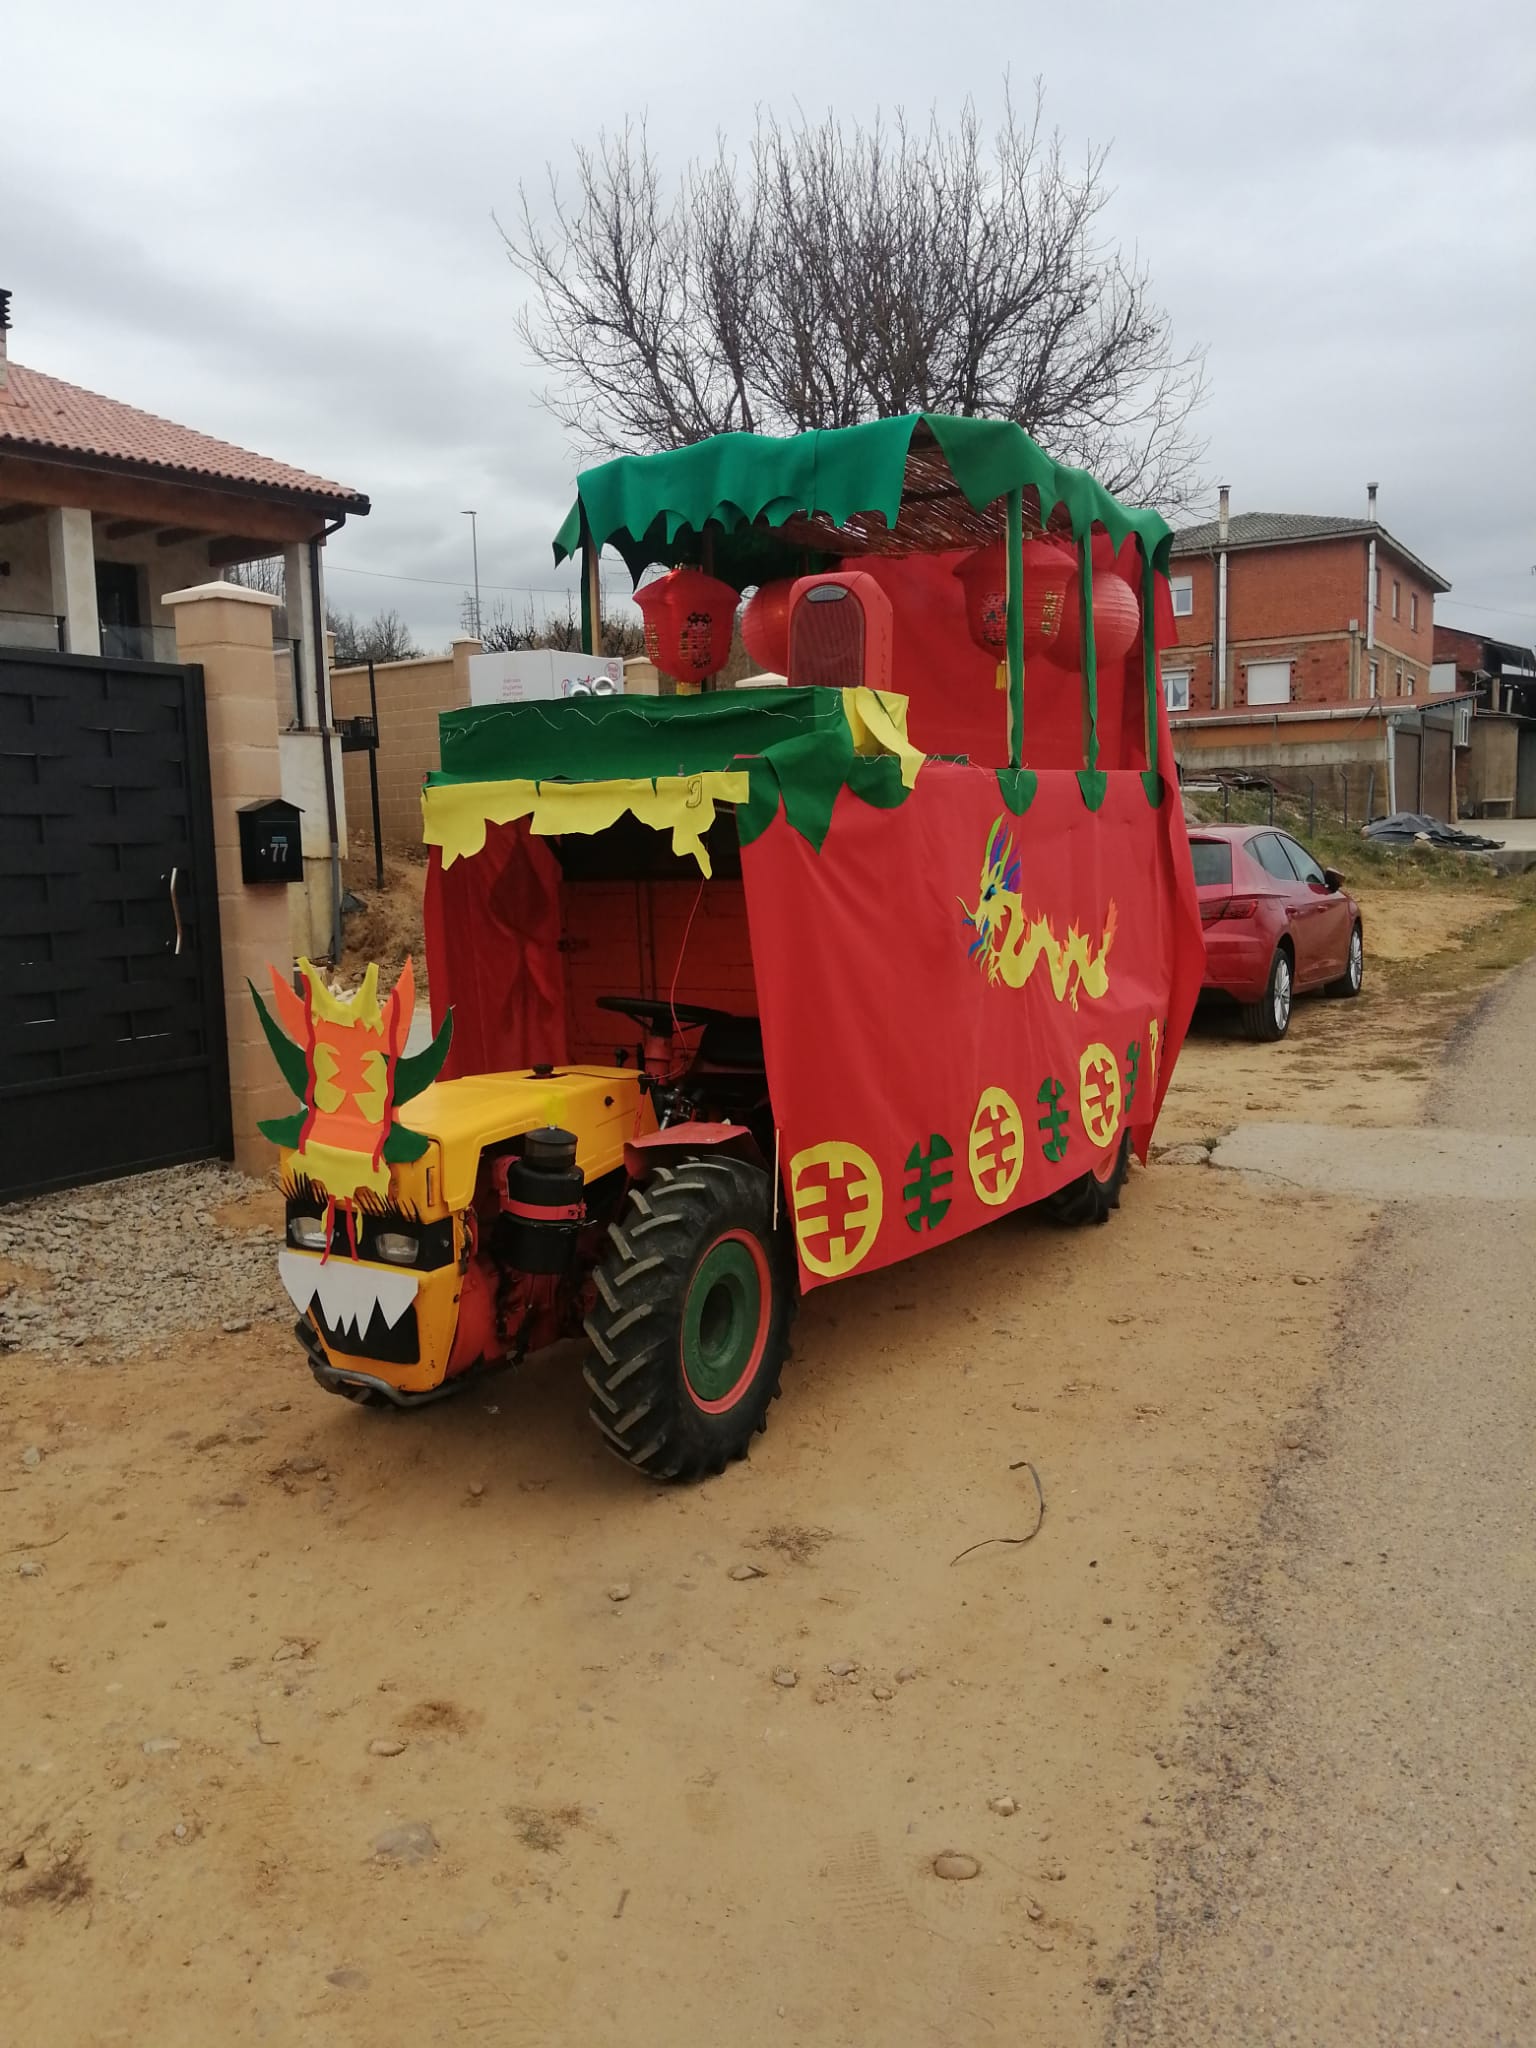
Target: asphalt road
{"type": "Point", "coordinates": [1359, 1860]}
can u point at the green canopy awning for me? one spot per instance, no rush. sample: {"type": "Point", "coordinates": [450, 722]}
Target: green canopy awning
{"type": "Point", "coordinates": [922, 479]}
{"type": "Point", "coordinates": [592, 739]}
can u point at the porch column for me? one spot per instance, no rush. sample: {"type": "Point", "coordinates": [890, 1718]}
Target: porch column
{"type": "Point", "coordinates": [298, 589]}
{"type": "Point", "coordinates": [228, 630]}
{"type": "Point", "coordinates": [303, 751]}
{"type": "Point", "coordinates": [72, 573]}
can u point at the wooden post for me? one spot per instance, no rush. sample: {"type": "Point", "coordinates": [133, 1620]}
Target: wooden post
{"type": "Point", "coordinates": [1149, 650]}
{"type": "Point", "coordinates": [1090, 658]}
{"type": "Point", "coordinates": [591, 593]}
{"type": "Point", "coordinates": [1015, 625]}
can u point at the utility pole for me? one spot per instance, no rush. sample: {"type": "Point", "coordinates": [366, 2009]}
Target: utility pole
{"type": "Point", "coordinates": [474, 542]}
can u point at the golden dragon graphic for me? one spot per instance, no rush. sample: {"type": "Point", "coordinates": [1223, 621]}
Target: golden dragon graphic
{"type": "Point", "coordinates": [1008, 945]}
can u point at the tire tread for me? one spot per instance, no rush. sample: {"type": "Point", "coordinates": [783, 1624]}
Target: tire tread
{"type": "Point", "coordinates": [638, 1400]}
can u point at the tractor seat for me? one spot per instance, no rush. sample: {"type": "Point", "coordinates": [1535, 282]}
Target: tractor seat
{"type": "Point", "coordinates": [727, 1072]}
{"type": "Point", "coordinates": [730, 1042]}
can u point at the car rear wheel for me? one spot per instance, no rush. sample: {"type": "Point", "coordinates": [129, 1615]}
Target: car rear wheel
{"type": "Point", "coordinates": [1348, 983]}
{"type": "Point", "coordinates": [1092, 1196]}
{"type": "Point", "coordinates": [1270, 1017]}
{"type": "Point", "coordinates": [695, 1296]}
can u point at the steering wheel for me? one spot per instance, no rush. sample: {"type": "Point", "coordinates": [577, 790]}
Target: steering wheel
{"type": "Point", "coordinates": [656, 1015]}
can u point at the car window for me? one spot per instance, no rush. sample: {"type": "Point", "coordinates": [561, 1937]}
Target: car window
{"type": "Point", "coordinates": [1213, 861]}
{"type": "Point", "coordinates": [1303, 863]}
{"type": "Point", "coordinates": [1266, 849]}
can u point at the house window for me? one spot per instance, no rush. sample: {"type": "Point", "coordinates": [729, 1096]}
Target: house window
{"type": "Point", "coordinates": [1409, 683]}
{"type": "Point", "coordinates": [1176, 689]}
{"type": "Point", "coordinates": [1376, 589]}
{"type": "Point", "coordinates": [1375, 678]}
{"type": "Point", "coordinates": [1397, 599]}
{"type": "Point", "coordinates": [1269, 682]}
{"type": "Point", "coordinates": [1413, 611]}
{"type": "Point", "coordinates": [1183, 597]}
{"type": "Point", "coordinates": [1399, 682]}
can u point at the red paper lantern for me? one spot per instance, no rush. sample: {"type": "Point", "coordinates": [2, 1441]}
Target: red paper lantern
{"type": "Point", "coordinates": [1049, 596]}
{"type": "Point", "coordinates": [1050, 603]}
{"type": "Point", "coordinates": [1116, 617]}
{"type": "Point", "coordinates": [765, 626]}
{"type": "Point", "coordinates": [983, 577]}
{"type": "Point", "coordinates": [688, 620]}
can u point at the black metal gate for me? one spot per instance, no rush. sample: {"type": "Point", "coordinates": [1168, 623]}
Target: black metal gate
{"type": "Point", "coordinates": [112, 1037]}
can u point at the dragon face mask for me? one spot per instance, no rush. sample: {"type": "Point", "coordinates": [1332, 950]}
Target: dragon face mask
{"type": "Point", "coordinates": [343, 1056]}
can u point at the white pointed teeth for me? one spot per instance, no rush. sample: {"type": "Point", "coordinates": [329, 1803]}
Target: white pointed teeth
{"type": "Point", "coordinates": [348, 1292]}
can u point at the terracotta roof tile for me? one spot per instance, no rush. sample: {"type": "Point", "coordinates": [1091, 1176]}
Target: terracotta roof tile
{"type": "Point", "coordinates": [44, 414]}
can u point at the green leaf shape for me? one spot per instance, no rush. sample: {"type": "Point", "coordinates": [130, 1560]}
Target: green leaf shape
{"type": "Point", "coordinates": [403, 1146]}
{"type": "Point", "coordinates": [418, 1070]}
{"type": "Point", "coordinates": [290, 1057]}
{"type": "Point", "coordinates": [283, 1130]}
{"type": "Point", "coordinates": [1018, 787]}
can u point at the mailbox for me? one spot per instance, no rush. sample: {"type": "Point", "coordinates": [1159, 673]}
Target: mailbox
{"type": "Point", "coordinates": [358, 735]}
{"type": "Point", "coordinates": [270, 847]}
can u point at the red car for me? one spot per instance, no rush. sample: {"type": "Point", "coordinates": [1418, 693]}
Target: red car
{"type": "Point", "coordinates": [1276, 924]}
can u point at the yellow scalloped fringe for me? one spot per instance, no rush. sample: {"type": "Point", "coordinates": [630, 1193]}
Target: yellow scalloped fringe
{"type": "Point", "coordinates": [455, 815]}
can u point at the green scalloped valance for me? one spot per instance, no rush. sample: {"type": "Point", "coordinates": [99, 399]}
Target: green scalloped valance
{"type": "Point", "coordinates": [643, 505]}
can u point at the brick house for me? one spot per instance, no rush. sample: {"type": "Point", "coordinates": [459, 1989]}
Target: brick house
{"type": "Point", "coordinates": [1297, 627]}
{"type": "Point", "coordinates": [1496, 772]}
{"type": "Point", "coordinates": [1305, 652]}
{"type": "Point", "coordinates": [1500, 674]}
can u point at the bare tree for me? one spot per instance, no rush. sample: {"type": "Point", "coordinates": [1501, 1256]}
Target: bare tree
{"type": "Point", "coordinates": [386, 637]}
{"type": "Point", "coordinates": [843, 274]}
{"type": "Point", "coordinates": [265, 575]}
{"type": "Point", "coordinates": [501, 631]}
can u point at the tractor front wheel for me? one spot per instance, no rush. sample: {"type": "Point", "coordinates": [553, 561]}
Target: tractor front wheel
{"type": "Point", "coordinates": [695, 1296]}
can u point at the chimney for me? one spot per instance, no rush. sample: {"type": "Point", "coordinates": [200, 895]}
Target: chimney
{"type": "Point", "coordinates": [1225, 499]}
{"type": "Point", "coordinates": [5, 328]}
{"type": "Point", "coordinates": [1370, 503]}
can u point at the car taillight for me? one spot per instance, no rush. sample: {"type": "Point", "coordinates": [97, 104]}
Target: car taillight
{"type": "Point", "coordinates": [1231, 906]}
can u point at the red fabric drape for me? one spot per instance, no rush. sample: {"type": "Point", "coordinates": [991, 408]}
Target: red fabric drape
{"type": "Point", "coordinates": [890, 1040]}
{"type": "Point", "coordinates": [492, 925]}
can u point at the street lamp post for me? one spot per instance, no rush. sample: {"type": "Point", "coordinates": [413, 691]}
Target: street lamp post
{"type": "Point", "coordinates": [474, 542]}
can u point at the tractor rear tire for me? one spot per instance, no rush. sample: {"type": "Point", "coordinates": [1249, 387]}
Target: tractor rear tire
{"type": "Point", "coordinates": [695, 1296]}
{"type": "Point", "coordinates": [1092, 1196]}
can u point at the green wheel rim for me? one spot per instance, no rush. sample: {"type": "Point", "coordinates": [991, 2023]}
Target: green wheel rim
{"type": "Point", "coordinates": [725, 1321]}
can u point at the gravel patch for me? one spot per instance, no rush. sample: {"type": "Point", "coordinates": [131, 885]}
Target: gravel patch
{"type": "Point", "coordinates": [117, 1268]}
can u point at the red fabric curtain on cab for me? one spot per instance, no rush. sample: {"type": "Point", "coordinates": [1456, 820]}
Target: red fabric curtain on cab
{"type": "Point", "coordinates": [492, 924]}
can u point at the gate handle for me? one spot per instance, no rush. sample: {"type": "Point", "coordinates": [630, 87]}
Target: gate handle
{"type": "Point", "coordinates": [176, 909]}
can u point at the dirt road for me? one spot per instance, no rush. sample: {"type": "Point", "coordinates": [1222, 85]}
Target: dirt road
{"type": "Point", "coordinates": [1362, 1838]}
{"type": "Point", "coordinates": [331, 1728]}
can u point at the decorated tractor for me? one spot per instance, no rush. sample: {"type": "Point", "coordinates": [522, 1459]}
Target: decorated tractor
{"type": "Point", "coordinates": [745, 991]}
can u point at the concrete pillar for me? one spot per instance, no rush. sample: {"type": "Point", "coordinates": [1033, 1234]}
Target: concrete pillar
{"type": "Point", "coordinates": [298, 591]}
{"type": "Point", "coordinates": [227, 630]}
{"type": "Point", "coordinates": [302, 765]}
{"type": "Point", "coordinates": [72, 573]}
{"type": "Point", "coordinates": [460, 651]}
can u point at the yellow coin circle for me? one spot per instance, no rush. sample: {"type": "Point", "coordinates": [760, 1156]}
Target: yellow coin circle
{"type": "Point", "coordinates": [1098, 1094]}
{"type": "Point", "coordinates": [837, 1213]}
{"type": "Point", "coordinates": [996, 1150]}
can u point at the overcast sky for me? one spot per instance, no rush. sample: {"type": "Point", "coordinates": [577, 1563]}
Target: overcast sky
{"type": "Point", "coordinates": [273, 224]}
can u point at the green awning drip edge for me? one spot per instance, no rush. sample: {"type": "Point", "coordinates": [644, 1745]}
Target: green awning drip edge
{"type": "Point", "coordinates": [642, 504]}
